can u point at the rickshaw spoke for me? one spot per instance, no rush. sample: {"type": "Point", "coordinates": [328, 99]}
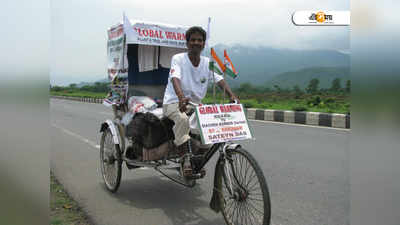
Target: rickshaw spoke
{"type": "Point", "coordinates": [239, 172]}
{"type": "Point", "coordinates": [255, 191]}
{"type": "Point", "coordinates": [258, 204]}
{"type": "Point", "coordinates": [257, 194]}
{"type": "Point", "coordinates": [245, 214]}
{"type": "Point", "coordinates": [231, 210]}
{"type": "Point", "coordinates": [235, 177]}
{"type": "Point", "coordinates": [236, 168]}
{"type": "Point", "coordinates": [253, 186]}
{"type": "Point", "coordinates": [230, 205]}
{"type": "Point", "coordinates": [252, 174]}
{"type": "Point", "coordinates": [240, 169]}
{"type": "Point", "coordinates": [251, 214]}
{"type": "Point", "coordinates": [244, 217]}
{"type": "Point", "coordinates": [245, 172]}
{"type": "Point", "coordinates": [255, 199]}
{"type": "Point", "coordinates": [240, 214]}
{"type": "Point", "coordinates": [235, 210]}
{"type": "Point", "coordinates": [237, 213]}
{"type": "Point", "coordinates": [256, 210]}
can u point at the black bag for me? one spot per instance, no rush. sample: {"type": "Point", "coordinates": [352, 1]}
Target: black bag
{"type": "Point", "coordinates": [149, 131]}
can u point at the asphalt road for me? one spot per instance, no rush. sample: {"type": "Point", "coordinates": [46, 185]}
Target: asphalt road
{"type": "Point", "coordinates": [306, 168]}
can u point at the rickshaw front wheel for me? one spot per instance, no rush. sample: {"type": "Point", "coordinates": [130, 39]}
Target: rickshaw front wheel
{"type": "Point", "coordinates": [110, 161]}
{"type": "Point", "coordinates": [243, 191]}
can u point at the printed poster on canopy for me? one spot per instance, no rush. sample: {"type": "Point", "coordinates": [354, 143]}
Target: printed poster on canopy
{"type": "Point", "coordinates": [222, 123]}
{"type": "Point", "coordinates": [155, 34]}
{"type": "Point", "coordinates": [117, 62]}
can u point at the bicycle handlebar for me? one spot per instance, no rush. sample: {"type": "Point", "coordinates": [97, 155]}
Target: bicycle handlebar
{"type": "Point", "coordinates": [193, 104]}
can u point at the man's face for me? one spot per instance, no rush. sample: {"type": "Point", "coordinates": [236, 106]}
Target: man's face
{"type": "Point", "coordinates": [195, 44]}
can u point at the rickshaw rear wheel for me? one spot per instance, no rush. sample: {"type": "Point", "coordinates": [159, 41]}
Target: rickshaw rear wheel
{"type": "Point", "coordinates": [248, 201]}
{"type": "Point", "coordinates": [110, 161]}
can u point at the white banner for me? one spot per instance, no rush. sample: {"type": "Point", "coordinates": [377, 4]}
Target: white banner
{"type": "Point", "coordinates": [321, 18]}
{"type": "Point", "coordinates": [147, 33]}
{"type": "Point", "coordinates": [117, 61]}
{"type": "Point", "coordinates": [222, 123]}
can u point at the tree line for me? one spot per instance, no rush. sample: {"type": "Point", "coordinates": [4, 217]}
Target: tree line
{"type": "Point", "coordinates": [97, 87]}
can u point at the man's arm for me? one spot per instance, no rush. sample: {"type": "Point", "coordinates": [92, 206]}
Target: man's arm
{"type": "Point", "coordinates": [178, 91]}
{"type": "Point", "coordinates": [223, 85]}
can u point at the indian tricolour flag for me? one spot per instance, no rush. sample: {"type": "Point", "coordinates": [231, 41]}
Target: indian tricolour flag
{"type": "Point", "coordinates": [216, 64]}
{"type": "Point", "coordinates": [229, 69]}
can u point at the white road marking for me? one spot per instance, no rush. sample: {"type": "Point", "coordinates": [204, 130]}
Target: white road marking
{"type": "Point", "coordinates": [91, 143]}
{"type": "Point", "coordinates": [301, 125]}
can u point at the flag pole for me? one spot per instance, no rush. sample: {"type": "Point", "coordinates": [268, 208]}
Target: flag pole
{"type": "Point", "coordinates": [214, 102]}
{"type": "Point", "coordinates": [212, 60]}
{"type": "Point", "coordinates": [225, 63]}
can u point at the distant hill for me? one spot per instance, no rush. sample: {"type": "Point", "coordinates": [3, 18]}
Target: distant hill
{"type": "Point", "coordinates": [81, 84]}
{"type": "Point", "coordinates": [302, 77]}
{"type": "Point", "coordinates": [257, 65]}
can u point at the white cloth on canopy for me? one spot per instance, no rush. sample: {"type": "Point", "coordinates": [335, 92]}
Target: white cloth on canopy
{"type": "Point", "coordinates": [147, 57]}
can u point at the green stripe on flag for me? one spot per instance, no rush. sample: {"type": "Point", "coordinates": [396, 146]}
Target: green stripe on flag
{"type": "Point", "coordinates": [214, 67]}
{"type": "Point", "coordinates": [229, 72]}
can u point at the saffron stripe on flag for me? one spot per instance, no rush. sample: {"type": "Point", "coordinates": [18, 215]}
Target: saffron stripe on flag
{"type": "Point", "coordinates": [215, 57]}
{"type": "Point", "coordinates": [230, 69]}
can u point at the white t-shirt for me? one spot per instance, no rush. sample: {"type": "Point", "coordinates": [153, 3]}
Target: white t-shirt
{"type": "Point", "coordinates": [194, 80]}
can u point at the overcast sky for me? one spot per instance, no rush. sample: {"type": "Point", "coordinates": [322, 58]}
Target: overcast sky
{"type": "Point", "coordinates": [78, 28]}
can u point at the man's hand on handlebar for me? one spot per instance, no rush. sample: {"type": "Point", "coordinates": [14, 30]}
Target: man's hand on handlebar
{"type": "Point", "coordinates": [182, 104]}
{"type": "Point", "coordinates": [234, 99]}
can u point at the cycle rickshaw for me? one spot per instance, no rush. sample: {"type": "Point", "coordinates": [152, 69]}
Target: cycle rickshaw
{"type": "Point", "coordinates": [139, 55]}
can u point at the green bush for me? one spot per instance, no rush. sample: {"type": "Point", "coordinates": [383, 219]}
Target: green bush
{"type": "Point", "coordinates": [299, 108]}
{"type": "Point", "coordinates": [329, 100]}
{"type": "Point", "coordinates": [314, 101]}
{"type": "Point", "coordinates": [264, 105]}
{"type": "Point", "coordinates": [259, 100]}
{"type": "Point", "coordinates": [249, 103]}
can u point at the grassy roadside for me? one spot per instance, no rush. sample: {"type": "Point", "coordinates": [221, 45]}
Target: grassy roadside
{"type": "Point", "coordinates": [292, 105]}
{"type": "Point", "coordinates": [63, 209]}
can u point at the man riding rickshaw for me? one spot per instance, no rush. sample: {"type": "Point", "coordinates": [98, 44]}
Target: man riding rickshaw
{"type": "Point", "coordinates": [153, 65]}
